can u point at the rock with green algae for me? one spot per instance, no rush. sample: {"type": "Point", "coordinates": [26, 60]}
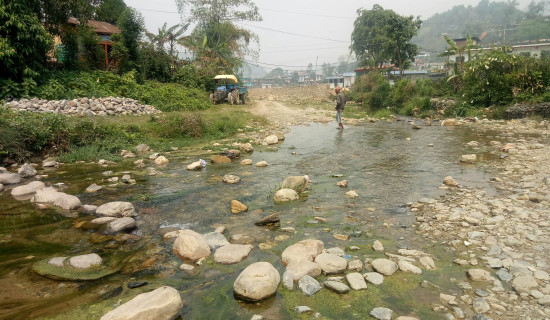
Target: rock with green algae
{"type": "Point", "coordinates": [61, 269]}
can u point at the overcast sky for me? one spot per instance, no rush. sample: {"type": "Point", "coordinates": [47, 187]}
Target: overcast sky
{"type": "Point", "coordinates": [321, 28]}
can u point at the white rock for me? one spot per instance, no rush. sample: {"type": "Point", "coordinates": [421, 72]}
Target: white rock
{"type": "Point", "coordinates": [374, 278]}
{"type": "Point", "coordinates": [262, 164]}
{"type": "Point", "coordinates": [163, 303]}
{"type": "Point", "coordinates": [302, 268]}
{"type": "Point", "coordinates": [356, 281]}
{"type": "Point", "coordinates": [468, 158]}
{"type": "Point", "coordinates": [258, 281]}
{"type": "Point", "coordinates": [57, 261]}
{"type": "Point", "coordinates": [406, 266]}
{"type": "Point", "coordinates": [93, 188]}
{"type": "Point", "coordinates": [116, 209]}
{"type": "Point", "coordinates": [60, 199]}
{"type": "Point", "coordinates": [9, 178]}
{"type": "Point", "coordinates": [331, 263]}
{"type": "Point", "coordinates": [26, 171]}
{"type": "Point", "coordinates": [190, 245]}
{"type": "Point", "coordinates": [352, 194]}
{"type": "Point", "coordinates": [27, 189]}
{"type": "Point", "coordinates": [121, 224]}
{"type": "Point", "coordinates": [215, 240]}
{"type": "Point", "coordinates": [246, 162]}
{"type": "Point", "coordinates": [302, 250]}
{"type": "Point", "coordinates": [85, 261]}
{"type": "Point", "coordinates": [285, 195]}
{"type": "Point", "coordinates": [194, 166]}
{"type": "Point", "coordinates": [377, 246]}
{"type": "Point", "coordinates": [103, 220]}
{"type": "Point", "coordinates": [232, 253]}
{"type": "Point", "coordinates": [272, 139]}
{"type": "Point", "coordinates": [161, 160]}
{"type": "Point", "coordinates": [384, 266]}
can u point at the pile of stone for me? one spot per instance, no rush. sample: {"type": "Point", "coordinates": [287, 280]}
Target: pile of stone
{"type": "Point", "coordinates": [84, 106]}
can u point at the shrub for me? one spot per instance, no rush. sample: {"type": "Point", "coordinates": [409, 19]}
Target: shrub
{"type": "Point", "coordinates": [372, 89]}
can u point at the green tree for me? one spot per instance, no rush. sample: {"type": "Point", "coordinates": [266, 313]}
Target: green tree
{"type": "Point", "coordinates": [216, 39]}
{"type": "Point", "coordinates": [110, 10]}
{"type": "Point", "coordinates": [533, 29]}
{"type": "Point", "coordinates": [24, 43]}
{"type": "Point", "coordinates": [130, 24]}
{"type": "Point", "coordinates": [384, 36]}
{"type": "Point", "coordinates": [455, 50]}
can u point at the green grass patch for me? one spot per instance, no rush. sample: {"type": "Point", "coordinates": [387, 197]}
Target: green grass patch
{"type": "Point", "coordinates": [382, 113]}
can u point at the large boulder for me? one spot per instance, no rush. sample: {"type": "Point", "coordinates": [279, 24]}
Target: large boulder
{"type": "Point", "coordinates": [116, 209]}
{"type": "Point", "coordinates": [258, 281]}
{"type": "Point", "coordinates": [9, 178]}
{"type": "Point", "coordinates": [232, 253]}
{"type": "Point", "coordinates": [272, 139]}
{"type": "Point", "coordinates": [56, 198]}
{"type": "Point", "coordinates": [26, 171]}
{"type": "Point", "coordinates": [302, 250]}
{"type": "Point", "coordinates": [331, 263]}
{"type": "Point", "coordinates": [220, 159]}
{"type": "Point", "coordinates": [384, 266]}
{"type": "Point", "coordinates": [163, 303]}
{"type": "Point", "coordinates": [285, 195]}
{"type": "Point", "coordinates": [215, 240]}
{"type": "Point", "coordinates": [27, 189]}
{"type": "Point", "coordinates": [190, 245]}
{"type": "Point", "coordinates": [296, 183]}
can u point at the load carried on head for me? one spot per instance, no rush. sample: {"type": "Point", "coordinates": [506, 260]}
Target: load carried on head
{"type": "Point", "coordinates": [228, 89]}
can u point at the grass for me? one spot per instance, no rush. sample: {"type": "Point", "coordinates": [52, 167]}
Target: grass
{"type": "Point", "coordinates": [24, 135]}
{"type": "Point", "coordinates": [382, 113]}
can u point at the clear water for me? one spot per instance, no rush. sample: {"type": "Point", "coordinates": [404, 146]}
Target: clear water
{"type": "Point", "coordinates": [377, 160]}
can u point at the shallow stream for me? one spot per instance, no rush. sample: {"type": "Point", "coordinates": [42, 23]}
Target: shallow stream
{"type": "Point", "coordinates": [377, 160]}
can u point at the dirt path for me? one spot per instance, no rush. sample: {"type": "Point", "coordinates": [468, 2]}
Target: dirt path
{"type": "Point", "coordinates": [281, 114]}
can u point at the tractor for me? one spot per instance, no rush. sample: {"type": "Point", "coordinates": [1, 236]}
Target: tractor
{"type": "Point", "coordinates": [228, 89]}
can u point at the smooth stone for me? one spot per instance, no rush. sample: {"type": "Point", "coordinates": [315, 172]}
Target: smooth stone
{"type": "Point", "coordinates": [27, 171]}
{"type": "Point", "coordinates": [103, 220]}
{"type": "Point", "coordinates": [220, 159]}
{"type": "Point", "coordinates": [449, 181]}
{"type": "Point", "coordinates": [93, 188]}
{"type": "Point", "coordinates": [116, 209]}
{"type": "Point", "coordinates": [288, 280]}
{"type": "Point", "coordinates": [468, 158]}
{"type": "Point", "coordinates": [238, 207]}
{"type": "Point", "coordinates": [504, 275]}
{"type": "Point", "coordinates": [356, 281]}
{"type": "Point", "coordinates": [479, 275]}
{"type": "Point", "coordinates": [190, 245]}
{"type": "Point", "coordinates": [270, 219]}
{"type": "Point", "coordinates": [285, 195]}
{"type": "Point", "coordinates": [374, 278]}
{"type": "Point", "coordinates": [302, 250]}
{"type": "Point", "coordinates": [194, 166]}
{"type": "Point", "coordinates": [246, 162]}
{"type": "Point", "coordinates": [302, 268]}
{"type": "Point", "coordinates": [406, 266]}
{"type": "Point", "coordinates": [427, 262]}
{"type": "Point", "coordinates": [257, 281]}
{"type": "Point", "coordinates": [215, 240]}
{"type": "Point", "coordinates": [480, 305]}
{"type": "Point", "coordinates": [232, 253]}
{"type": "Point", "coordinates": [261, 164]}
{"type": "Point", "coordinates": [9, 178]}
{"type": "Point", "coordinates": [85, 261]}
{"type": "Point", "coordinates": [355, 265]}
{"type": "Point", "coordinates": [231, 179]}
{"type": "Point", "coordinates": [241, 239]}
{"type": "Point", "coordinates": [296, 183]}
{"type": "Point", "coordinates": [524, 283]}
{"type": "Point", "coordinates": [60, 199]}
{"type": "Point", "coordinates": [309, 286]}
{"type": "Point", "coordinates": [121, 224]}
{"type": "Point", "coordinates": [272, 139]}
{"type": "Point", "coordinates": [381, 313]}
{"type": "Point", "coordinates": [57, 261]}
{"type": "Point", "coordinates": [378, 246]}
{"type": "Point", "coordinates": [336, 286]}
{"type": "Point", "coordinates": [186, 267]}
{"type": "Point", "coordinates": [385, 267]}
{"type": "Point", "coordinates": [161, 160]}
{"type": "Point", "coordinates": [163, 303]}
{"type": "Point", "coordinates": [49, 164]}
{"type": "Point", "coordinates": [27, 189]}
{"type": "Point", "coordinates": [331, 263]}
{"type": "Point", "coordinates": [89, 208]}
{"type": "Point", "coordinates": [303, 309]}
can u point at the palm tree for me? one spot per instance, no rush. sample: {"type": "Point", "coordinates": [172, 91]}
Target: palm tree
{"type": "Point", "coordinates": [173, 35]}
{"type": "Point", "coordinates": [454, 50]}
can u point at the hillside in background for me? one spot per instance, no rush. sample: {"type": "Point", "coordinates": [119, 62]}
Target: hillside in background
{"type": "Point", "coordinates": [492, 22]}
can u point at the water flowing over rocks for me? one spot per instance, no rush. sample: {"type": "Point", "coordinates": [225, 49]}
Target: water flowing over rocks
{"type": "Point", "coordinates": [84, 106]}
{"type": "Point", "coordinates": [257, 281]}
{"type": "Point", "coordinates": [163, 303]}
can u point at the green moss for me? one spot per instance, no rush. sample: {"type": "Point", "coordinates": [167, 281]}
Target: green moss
{"type": "Point", "coordinates": [47, 270]}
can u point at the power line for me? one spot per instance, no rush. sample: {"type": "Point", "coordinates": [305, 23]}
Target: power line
{"type": "Point", "coordinates": [308, 14]}
{"type": "Point", "coordinates": [295, 34]}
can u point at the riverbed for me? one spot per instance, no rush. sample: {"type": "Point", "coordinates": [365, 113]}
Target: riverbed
{"type": "Point", "coordinates": [389, 164]}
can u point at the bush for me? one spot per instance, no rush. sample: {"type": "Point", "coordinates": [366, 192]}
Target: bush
{"type": "Point", "coordinates": [372, 89]}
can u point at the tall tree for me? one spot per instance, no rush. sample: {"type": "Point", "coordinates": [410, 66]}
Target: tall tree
{"type": "Point", "coordinates": [110, 10]}
{"type": "Point", "coordinates": [131, 26]}
{"type": "Point", "coordinates": [381, 35]}
{"type": "Point", "coordinates": [215, 34]}
{"type": "Point", "coordinates": [24, 43]}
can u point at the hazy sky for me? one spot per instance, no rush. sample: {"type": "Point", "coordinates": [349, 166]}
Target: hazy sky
{"type": "Point", "coordinates": [325, 26]}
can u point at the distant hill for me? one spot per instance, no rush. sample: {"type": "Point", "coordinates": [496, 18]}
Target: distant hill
{"type": "Point", "coordinates": [490, 21]}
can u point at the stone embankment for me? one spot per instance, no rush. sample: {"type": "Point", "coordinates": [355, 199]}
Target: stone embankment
{"type": "Point", "coordinates": [84, 106]}
{"type": "Point", "coordinates": [525, 110]}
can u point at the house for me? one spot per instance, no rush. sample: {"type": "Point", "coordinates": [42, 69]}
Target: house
{"type": "Point", "coordinates": [530, 48]}
{"type": "Point", "coordinates": [335, 81]}
{"type": "Point", "coordinates": [364, 70]}
{"type": "Point", "coordinates": [412, 75]}
{"type": "Point", "coordinates": [349, 79]}
{"type": "Point", "coordinates": [104, 31]}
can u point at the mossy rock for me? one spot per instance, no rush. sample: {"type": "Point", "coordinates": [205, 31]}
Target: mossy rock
{"type": "Point", "coordinates": [67, 272]}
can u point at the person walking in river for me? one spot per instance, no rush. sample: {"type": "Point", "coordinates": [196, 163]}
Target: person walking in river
{"type": "Point", "coordinates": [340, 104]}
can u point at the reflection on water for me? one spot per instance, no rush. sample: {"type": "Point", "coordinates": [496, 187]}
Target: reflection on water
{"type": "Point", "coordinates": [377, 160]}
